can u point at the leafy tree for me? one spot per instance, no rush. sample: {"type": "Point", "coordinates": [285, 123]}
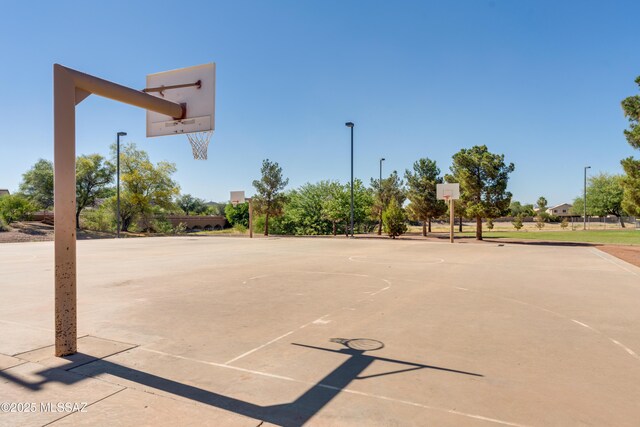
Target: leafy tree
{"type": "Point", "coordinates": [336, 207]}
{"type": "Point", "coordinates": [490, 224]}
{"type": "Point", "coordinates": [270, 199]}
{"type": "Point", "coordinates": [190, 204]}
{"type": "Point", "coordinates": [93, 176]}
{"type": "Point", "coordinates": [238, 214]}
{"type": "Point", "coordinates": [37, 184]}
{"type": "Point", "coordinates": [541, 214]}
{"type": "Point", "coordinates": [145, 186]}
{"type": "Point", "coordinates": [631, 186]}
{"type": "Point", "coordinates": [565, 223]}
{"type": "Point", "coordinates": [422, 192]}
{"type": "Point", "coordinates": [215, 208]}
{"type": "Point", "coordinates": [516, 208]}
{"type": "Point", "coordinates": [15, 207]}
{"type": "Point", "coordinates": [517, 222]}
{"type": "Point", "coordinates": [631, 108]}
{"type": "Point", "coordinates": [631, 181]}
{"type": "Point", "coordinates": [394, 219]}
{"type": "Point", "coordinates": [384, 191]}
{"type": "Point", "coordinates": [483, 179]}
{"type": "Point", "coordinates": [605, 195]}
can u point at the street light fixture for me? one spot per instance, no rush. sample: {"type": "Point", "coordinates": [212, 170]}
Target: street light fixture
{"type": "Point", "coordinates": [350, 125]}
{"type": "Point", "coordinates": [584, 199]}
{"type": "Point", "coordinates": [119, 134]}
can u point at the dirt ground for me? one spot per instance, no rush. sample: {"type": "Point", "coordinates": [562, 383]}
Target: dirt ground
{"type": "Point", "coordinates": [630, 254]}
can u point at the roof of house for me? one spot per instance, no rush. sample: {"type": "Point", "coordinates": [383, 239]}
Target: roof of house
{"type": "Point", "coordinates": [4, 192]}
{"type": "Point", "coordinates": [561, 205]}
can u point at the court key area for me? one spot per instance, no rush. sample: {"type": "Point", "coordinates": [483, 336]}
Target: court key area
{"type": "Point", "coordinates": [324, 332]}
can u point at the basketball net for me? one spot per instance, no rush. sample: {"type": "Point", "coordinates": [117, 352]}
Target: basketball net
{"type": "Point", "coordinates": [199, 143]}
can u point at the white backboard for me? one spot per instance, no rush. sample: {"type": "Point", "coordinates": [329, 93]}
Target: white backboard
{"type": "Point", "coordinates": [450, 190]}
{"type": "Point", "coordinates": [237, 197]}
{"type": "Point", "coordinates": [200, 100]}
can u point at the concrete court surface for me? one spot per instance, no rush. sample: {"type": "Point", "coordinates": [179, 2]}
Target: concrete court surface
{"type": "Point", "coordinates": [230, 331]}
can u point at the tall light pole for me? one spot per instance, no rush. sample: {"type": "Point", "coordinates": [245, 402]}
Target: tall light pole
{"type": "Point", "coordinates": [380, 195]}
{"type": "Point", "coordinates": [350, 125]}
{"type": "Point", "coordinates": [584, 199]}
{"type": "Point", "coordinates": [119, 134]}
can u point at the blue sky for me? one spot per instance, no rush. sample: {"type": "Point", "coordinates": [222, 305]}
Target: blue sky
{"type": "Point", "coordinates": [540, 81]}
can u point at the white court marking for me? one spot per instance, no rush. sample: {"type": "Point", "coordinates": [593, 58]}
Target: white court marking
{"type": "Point", "coordinates": [344, 390]}
{"type": "Point", "coordinates": [606, 258]}
{"type": "Point", "coordinates": [316, 321]}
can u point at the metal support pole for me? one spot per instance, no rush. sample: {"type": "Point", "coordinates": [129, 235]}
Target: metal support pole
{"type": "Point", "coordinates": [250, 218]}
{"type": "Point", "coordinates": [70, 87]}
{"type": "Point", "coordinates": [118, 225]}
{"type": "Point", "coordinates": [584, 225]}
{"type": "Point", "coordinates": [352, 181]}
{"type": "Point", "coordinates": [451, 219]}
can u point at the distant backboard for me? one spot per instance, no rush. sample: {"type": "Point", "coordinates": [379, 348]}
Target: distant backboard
{"type": "Point", "coordinates": [448, 191]}
{"type": "Point", "coordinates": [237, 197]}
{"type": "Point", "coordinates": [193, 86]}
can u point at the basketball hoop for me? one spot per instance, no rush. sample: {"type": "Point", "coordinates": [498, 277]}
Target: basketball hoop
{"type": "Point", "coordinates": [199, 143]}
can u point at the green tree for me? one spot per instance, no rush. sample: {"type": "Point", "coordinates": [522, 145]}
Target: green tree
{"type": "Point", "coordinates": [189, 204]}
{"type": "Point", "coordinates": [490, 224]}
{"type": "Point", "coordinates": [384, 191]}
{"type": "Point", "coordinates": [394, 219]}
{"type": "Point", "coordinates": [37, 184]}
{"type": "Point", "coordinates": [15, 207]}
{"type": "Point", "coordinates": [605, 195]}
{"type": "Point", "coordinates": [631, 166]}
{"type": "Point", "coordinates": [517, 222]}
{"type": "Point", "coordinates": [483, 179]}
{"type": "Point", "coordinates": [336, 207]}
{"type": "Point", "coordinates": [516, 208]}
{"type": "Point", "coordinates": [238, 214]}
{"type": "Point", "coordinates": [565, 223]}
{"type": "Point", "coordinates": [631, 109]}
{"type": "Point", "coordinates": [145, 187]}
{"type": "Point", "coordinates": [93, 176]}
{"type": "Point", "coordinates": [631, 186]}
{"type": "Point", "coordinates": [269, 199]}
{"type": "Point", "coordinates": [421, 192]}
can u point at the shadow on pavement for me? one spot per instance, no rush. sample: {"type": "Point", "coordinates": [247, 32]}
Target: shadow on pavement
{"type": "Point", "coordinates": [294, 413]}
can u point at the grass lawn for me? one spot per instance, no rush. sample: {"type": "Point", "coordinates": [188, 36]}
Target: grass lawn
{"type": "Point", "coordinates": [624, 237]}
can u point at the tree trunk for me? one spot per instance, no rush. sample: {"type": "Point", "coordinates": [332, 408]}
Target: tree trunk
{"type": "Point", "coordinates": [424, 228]}
{"type": "Point", "coordinates": [621, 221]}
{"type": "Point", "coordinates": [77, 220]}
{"type": "Point", "coordinates": [380, 224]}
{"type": "Point", "coordinates": [460, 224]}
{"type": "Point", "coordinates": [478, 228]}
{"type": "Point", "coordinates": [346, 228]}
{"type": "Point", "coordinates": [266, 224]}
{"type": "Point", "coordinates": [429, 225]}
{"type": "Point", "coordinates": [334, 228]}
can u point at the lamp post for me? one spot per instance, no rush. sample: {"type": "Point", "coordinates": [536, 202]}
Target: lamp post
{"type": "Point", "coordinates": [380, 195]}
{"type": "Point", "coordinates": [119, 134]}
{"type": "Point", "coordinates": [584, 199]}
{"type": "Point", "coordinates": [350, 125]}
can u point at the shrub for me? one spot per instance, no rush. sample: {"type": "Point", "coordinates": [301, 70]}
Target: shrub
{"type": "Point", "coordinates": [565, 223]}
{"type": "Point", "coordinates": [489, 224]}
{"type": "Point", "coordinates": [539, 222]}
{"type": "Point", "coordinates": [3, 225]}
{"type": "Point", "coordinates": [15, 208]}
{"type": "Point", "coordinates": [517, 222]}
{"type": "Point", "coordinates": [163, 226]}
{"type": "Point", "coordinates": [394, 219]}
{"type": "Point", "coordinates": [101, 219]}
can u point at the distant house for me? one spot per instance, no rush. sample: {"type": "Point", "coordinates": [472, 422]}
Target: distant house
{"type": "Point", "coordinates": [4, 192]}
{"type": "Point", "coordinates": [560, 210]}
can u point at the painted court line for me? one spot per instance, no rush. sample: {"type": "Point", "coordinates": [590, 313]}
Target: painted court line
{"type": "Point", "coordinates": [342, 390]}
{"type": "Point", "coordinates": [599, 254]}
